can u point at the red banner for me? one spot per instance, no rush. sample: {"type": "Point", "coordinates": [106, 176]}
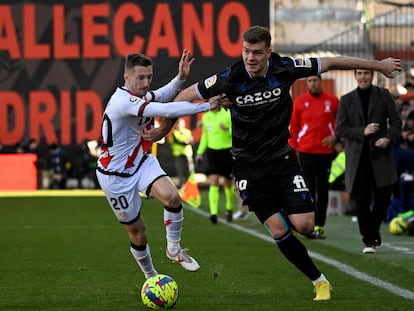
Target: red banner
{"type": "Point", "coordinates": [61, 60]}
{"type": "Point", "coordinates": [18, 172]}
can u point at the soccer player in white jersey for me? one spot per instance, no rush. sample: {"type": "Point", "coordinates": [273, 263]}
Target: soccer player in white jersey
{"type": "Point", "coordinates": [126, 166]}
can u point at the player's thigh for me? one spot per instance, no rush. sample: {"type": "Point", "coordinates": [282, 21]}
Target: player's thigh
{"type": "Point", "coordinates": [148, 174]}
{"type": "Point", "coordinates": [293, 189]}
{"type": "Point", "coordinates": [122, 195]}
{"type": "Point", "coordinates": [299, 205]}
{"type": "Point", "coordinates": [282, 190]}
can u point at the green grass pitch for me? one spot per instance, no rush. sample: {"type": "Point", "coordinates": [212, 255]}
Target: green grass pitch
{"type": "Point", "coordinates": [70, 253]}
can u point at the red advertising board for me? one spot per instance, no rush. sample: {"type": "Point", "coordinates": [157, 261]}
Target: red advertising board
{"type": "Point", "coordinates": [61, 60]}
{"type": "Point", "coordinates": [18, 172]}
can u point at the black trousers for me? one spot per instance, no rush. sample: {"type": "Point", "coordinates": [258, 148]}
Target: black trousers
{"type": "Point", "coordinates": [371, 202]}
{"type": "Point", "coordinates": [316, 168]}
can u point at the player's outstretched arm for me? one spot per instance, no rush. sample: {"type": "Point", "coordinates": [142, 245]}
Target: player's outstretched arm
{"type": "Point", "coordinates": [388, 66]}
{"type": "Point", "coordinates": [188, 94]}
{"type": "Point", "coordinates": [155, 134]}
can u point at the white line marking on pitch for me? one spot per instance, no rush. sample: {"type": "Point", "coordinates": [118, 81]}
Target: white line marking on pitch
{"type": "Point", "coordinates": [405, 293]}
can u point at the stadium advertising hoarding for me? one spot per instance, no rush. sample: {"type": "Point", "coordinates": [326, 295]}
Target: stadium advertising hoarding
{"type": "Point", "coordinates": [61, 60]}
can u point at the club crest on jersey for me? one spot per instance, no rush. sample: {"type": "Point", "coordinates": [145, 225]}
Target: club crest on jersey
{"type": "Point", "coordinates": [133, 100]}
{"type": "Point", "coordinates": [209, 82]}
{"type": "Point", "coordinates": [123, 215]}
{"type": "Point", "coordinates": [302, 63]}
{"type": "Point", "coordinates": [327, 106]}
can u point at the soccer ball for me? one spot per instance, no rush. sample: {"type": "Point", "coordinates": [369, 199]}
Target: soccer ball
{"type": "Point", "coordinates": [398, 226]}
{"type": "Point", "coordinates": [159, 292]}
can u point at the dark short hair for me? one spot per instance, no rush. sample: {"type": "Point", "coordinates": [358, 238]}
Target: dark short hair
{"type": "Point", "coordinates": [355, 70]}
{"type": "Point", "coordinates": [318, 76]}
{"type": "Point", "coordinates": [256, 34]}
{"type": "Point", "coordinates": [137, 59]}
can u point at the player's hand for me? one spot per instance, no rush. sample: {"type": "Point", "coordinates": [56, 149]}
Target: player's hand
{"type": "Point", "coordinates": [184, 65]}
{"type": "Point", "coordinates": [225, 101]}
{"type": "Point", "coordinates": [156, 133]}
{"type": "Point", "coordinates": [215, 102]}
{"type": "Point", "coordinates": [219, 101]}
{"type": "Point", "coordinates": [390, 66]}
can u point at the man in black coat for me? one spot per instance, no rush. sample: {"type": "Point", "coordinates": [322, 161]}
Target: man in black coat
{"type": "Point", "coordinates": [368, 121]}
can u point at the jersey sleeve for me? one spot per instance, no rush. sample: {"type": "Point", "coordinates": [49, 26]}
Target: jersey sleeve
{"type": "Point", "coordinates": [211, 86]}
{"type": "Point", "coordinates": [171, 110]}
{"type": "Point", "coordinates": [167, 92]}
{"type": "Point", "coordinates": [302, 67]}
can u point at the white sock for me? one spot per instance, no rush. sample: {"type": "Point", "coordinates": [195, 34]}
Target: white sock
{"type": "Point", "coordinates": [321, 278]}
{"type": "Point", "coordinates": [144, 260]}
{"type": "Point", "coordinates": [173, 226]}
{"type": "Point", "coordinates": [173, 247]}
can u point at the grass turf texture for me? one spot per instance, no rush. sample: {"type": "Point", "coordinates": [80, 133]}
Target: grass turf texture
{"type": "Point", "coordinates": [70, 253]}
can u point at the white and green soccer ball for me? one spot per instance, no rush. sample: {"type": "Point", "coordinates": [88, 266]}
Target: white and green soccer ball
{"type": "Point", "coordinates": [159, 292]}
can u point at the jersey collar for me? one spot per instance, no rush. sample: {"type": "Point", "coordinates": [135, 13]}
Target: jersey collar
{"type": "Point", "coordinates": [264, 76]}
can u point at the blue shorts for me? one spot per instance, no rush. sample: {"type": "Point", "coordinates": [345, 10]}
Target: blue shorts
{"type": "Point", "coordinates": [275, 187]}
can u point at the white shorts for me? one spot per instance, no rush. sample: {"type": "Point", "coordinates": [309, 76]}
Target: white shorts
{"type": "Point", "coordinates": [122, 193]}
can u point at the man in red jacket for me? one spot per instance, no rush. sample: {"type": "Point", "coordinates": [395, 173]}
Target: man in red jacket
{"type": "Point", "coordinates": [313, 137]}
